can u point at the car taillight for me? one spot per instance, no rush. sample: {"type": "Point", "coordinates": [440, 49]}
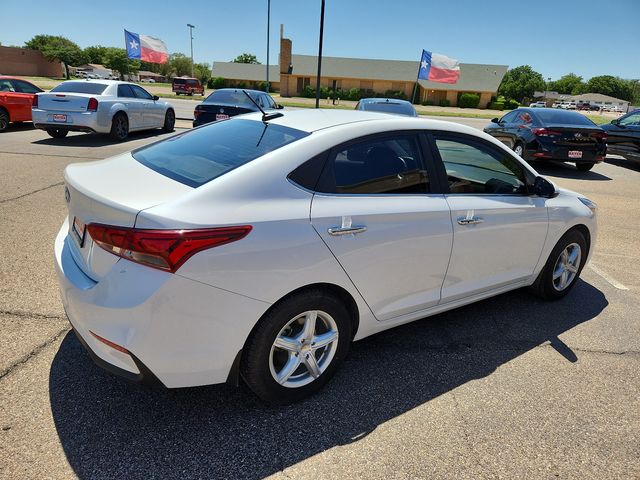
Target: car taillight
{"type": "Point", "coordinates": [196, 112]}
{"type": "Point", "coordinates": [34, 101]}
{"type": "Point", "coordinates": [162, 249]}
{"type": "Point", "coordinates": [599, 135]}
{"type": "Point", "coordinates": [92, 106]}
{"type": "Point", "coordinates": [545, 132]}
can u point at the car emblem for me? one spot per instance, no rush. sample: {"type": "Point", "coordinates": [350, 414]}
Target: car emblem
{"type": "Point", "coordinates": [222, 110]}
{"type": "Point", "coordinates": [67, 194]}
{"type": "Point", "coordinates": [578, 135]}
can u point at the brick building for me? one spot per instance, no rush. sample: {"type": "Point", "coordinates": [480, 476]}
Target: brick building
{"type": "Point", "coordinates": [25, 62]}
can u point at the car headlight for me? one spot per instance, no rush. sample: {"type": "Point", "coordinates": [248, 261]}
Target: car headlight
{"type": "Point", "coordinates": [589, 204]}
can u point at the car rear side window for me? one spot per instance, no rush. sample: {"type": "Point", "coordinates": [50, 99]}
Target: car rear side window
{"type": "Point", "coordinates": [377, 165]}
{"type": "Point", "coordinates": [474, 167]}
{"type": "Point", "coordinates": [198, 156]}
{"type": "Point", "coordinates": [80, 87]}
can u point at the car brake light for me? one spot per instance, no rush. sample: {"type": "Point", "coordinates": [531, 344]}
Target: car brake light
{"type": "Point", "coordinates": [196, 112]}
{"type": "Point", "coordinates": [162, 249]}
{"type": "Point", "coordinates": [599, 135]}
{"type": "Point", "coordinates": [545, 132]}
{"type": "Point", "coordinates": [34, 101]}
{"type": "Point", "coordinates": [92, 106]}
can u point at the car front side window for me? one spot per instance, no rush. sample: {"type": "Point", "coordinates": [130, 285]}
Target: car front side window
{"type": "Point", "coordinates": [140, 92]}
{"type": "Point", "coordinates": [474, 167]}
{"type": "Point", "coordinates": [631, 120]}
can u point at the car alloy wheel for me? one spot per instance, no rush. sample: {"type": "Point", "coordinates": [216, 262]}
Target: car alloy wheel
{"type": "Point", "coordinates": [303, 349]}
{"type": "Point", "coordinates": [4, 120]}
{"type": "Point", "coordinates": [120, 127]}
{"type": "Point", "coordinates": [518, 149]}
{"type": "Point", "coordinates": [169, 121]}
{"type": "Point", "coordinates": [567, 267]}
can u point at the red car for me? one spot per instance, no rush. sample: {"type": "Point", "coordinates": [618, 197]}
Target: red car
{"type": "Point", "coordinates": [16, 96]}
{"type": "Point", "coordinates": [187, 86]}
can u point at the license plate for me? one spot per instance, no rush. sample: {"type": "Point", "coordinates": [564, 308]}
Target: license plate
{"type": "Point", "coordinates": [59, 118]}
{"type": "Point", "coordinates": [221, 116]}
{"type": "Point", "coordinates": [79, 228]}
{"type": "Point", "coordinates": [575, 154]}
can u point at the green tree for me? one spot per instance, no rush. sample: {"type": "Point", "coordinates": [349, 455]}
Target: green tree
{"type": "Point", "coordinates": [612, 86]}
{"type": "Point", "coordinates": [521, 82]}
{"type": "Point", "coordinates": [180, 64]}
{"type": "Point", "coordinates": [202, 72]}
{"type": "Point", "coordinates": [95, 54]}
{"type": "Point", "coordinates": [116, 59]}
{"type": "Point", "coordinates": [570, 84]}
{"type": "Point", "coordinates": [58, 48]}
{"type": "Point", "coordinates": [246, 58]}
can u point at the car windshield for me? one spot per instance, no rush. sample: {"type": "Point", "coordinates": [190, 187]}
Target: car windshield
{"type": "Point", "coordinates": [81, 87]}
{"type": "Point", "coordinates": [563, 117]}
{"type": "Point", "coordinates": [231, 97]}
{"type": "Point", "coordinates": [198, 156]}
{"type": "Point", "coordinates": [390, 107]}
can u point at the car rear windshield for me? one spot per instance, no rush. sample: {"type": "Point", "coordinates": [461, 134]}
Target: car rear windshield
{"type": "Point", "coordinates": [80, 87]}
{"type": "Point", "coordinates": [389, 107]}
{"type": "Point", "coordinates": [200, 155]}
{"type": "Point", "coordinates": [179, 81]}
{"type": "Point", "coordinates": [563, 117]}
{"type": "Point", "coordinates": [231, 97]}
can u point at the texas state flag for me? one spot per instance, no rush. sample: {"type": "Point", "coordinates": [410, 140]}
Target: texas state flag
{"type": "Point", "coordinates": [147, 49]}
{"type": "Point", "coordinates": [438, 68]}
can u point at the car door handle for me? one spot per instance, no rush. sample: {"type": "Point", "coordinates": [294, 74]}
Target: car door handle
{"type": "Point", "coordinates": [337, 231]}
{"type": "Point", "coordinates": [469, 221]}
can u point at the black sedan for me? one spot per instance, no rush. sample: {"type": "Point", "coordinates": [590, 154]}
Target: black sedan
{"type": "Point", "coordinates": [551, 134]}
{"type": "Point", "coordinates": [624, 136]}
{"type": "Point", "coordinates": [228, 102]}
{"type": "Point", "coordinates": [387, 105]}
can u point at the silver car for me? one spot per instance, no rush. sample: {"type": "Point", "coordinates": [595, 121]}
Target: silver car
{"type": "Point", "coordinates": [102, 106]}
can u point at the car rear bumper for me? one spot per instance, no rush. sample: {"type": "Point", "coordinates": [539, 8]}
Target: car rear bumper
{"type": "Point", "coordinates": [174, 331]}
{"type": "Point", "coordinates": [98, 122]}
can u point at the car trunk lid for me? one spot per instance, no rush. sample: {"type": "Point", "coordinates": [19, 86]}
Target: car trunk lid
{"type": "Point", "coordinates": [64, 102]}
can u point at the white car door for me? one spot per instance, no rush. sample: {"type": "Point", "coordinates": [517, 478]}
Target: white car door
{"type": "Point", "coordinates": [134, 107]}
{"type": "Point", "coordinates": [375, 212]}
{"type": "Point", "coordinates": [152, 112]}
{"type": "Point", "coordinates": [499, 226]}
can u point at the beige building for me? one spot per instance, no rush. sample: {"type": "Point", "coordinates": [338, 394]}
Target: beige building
{"type": "Point", "coordinates": [247, 73]}
{"type": "Point", "coordinates": [25, 62]}
{"type": "Point", "coordinates": [380, 76]}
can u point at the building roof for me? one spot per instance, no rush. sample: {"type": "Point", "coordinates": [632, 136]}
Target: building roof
{"type": "Point", "coordinates": [596, 97]}
{"type": "Point", "coordinates": [149, 74]}
{"type": "Point", "coordinates": [473, 76]}
{"type": "Point", "coordinates": [245, 71]}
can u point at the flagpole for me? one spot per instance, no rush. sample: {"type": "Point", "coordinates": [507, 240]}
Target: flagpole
{"type": "Point", "coordinates": [415, 86]}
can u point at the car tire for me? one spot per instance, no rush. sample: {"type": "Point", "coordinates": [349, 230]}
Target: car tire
{"type": "Point", "coordinates": [584, 167]}
{"type": "Point", "coordinates": [552, 284]}
{"type": "Point", "coordinates": [169, 121]}
{"type": "Point", "coordinates": [57, 133]}
{"type": "Point", "coordinates": [518, 149]}
{"type": "Point", "coordinates": [119, 127]}
{"type": "Point", "coordinates": [4, 120]}
{"type": "Point", "coordinates": [298, 322]}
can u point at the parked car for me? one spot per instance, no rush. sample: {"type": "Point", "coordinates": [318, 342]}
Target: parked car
{"type": "Point", "coordinates": [187, 86]}
{"type": "Point", "coordinates": [16, 96]}
{"type": "Point", "coordinates": [623, 135]}
{"type": "Point", "coordinates": [583, 106]}
{"type": "Point", "coordinates": [101, 106]}
{"type": "Point", "coordinates": [257, 250]}
{"type": "Point", "coordinates": [147, 80]}
{"type": "Point", "coordinates": [387, 105]}
{"type": "Point", "coordinates": [229, 102]}
{"type": "Point", "coordinates": [594, 107]}
{"type": "Point", "coordinates": [546, 134]}
{"type": "Point", "coordinates": [538, 105]}
{"type": "Point", "coordinates": [557, 105]}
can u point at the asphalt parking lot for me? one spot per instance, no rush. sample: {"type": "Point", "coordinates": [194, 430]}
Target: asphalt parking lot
{"type": "Point", "coordinates": [511, 387]}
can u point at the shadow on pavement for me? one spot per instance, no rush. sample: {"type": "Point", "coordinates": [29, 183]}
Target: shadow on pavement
{"type": "Point", "coordinates": [96, 139]}
{"type": "Point", "coordinates": [111, 429]}
{"type": "Point", "coordinates": [624, 163]}
{"type": "Point", "coordinates": [566, 170]}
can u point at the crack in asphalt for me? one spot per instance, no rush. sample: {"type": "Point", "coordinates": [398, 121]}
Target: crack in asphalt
{"type": "Point", "coordinates": [31, 193]}
{"type": "Point", "coordinates": [33, 353]}
{"type": "Point", "coordinates": [465, 433]}
{"type": "Point", "coordinates": [51, 155]}
{"type": "Point", "coordinates": [22, 313]}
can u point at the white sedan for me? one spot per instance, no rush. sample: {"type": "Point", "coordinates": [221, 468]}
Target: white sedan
{"type": "Point", "coordinates": [102, 106]}
{"type": "Point", "coordinates": [258, 248]}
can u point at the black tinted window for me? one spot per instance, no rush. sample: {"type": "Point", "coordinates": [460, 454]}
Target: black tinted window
{"type": "Point", "coordinates": [387, 165]}
{"type": "Point", "coordinates": [475, 167]}
{"type": "Point", "coordinates": [232, 97]}
{"type": "Point", "coordinates": [390, 107]}
{"type": "Point", "coordinates": [509, 117]}
{"type": "Point", "coordinates": [125, 91]}
{"type": "Point", "coordinates": [179, 81]}
{"type": "Point", "coordinates": [141, 92]}
{"type": "Point", "coordinates": [80, 87]}
{"type": "Point", "coordinates": [25, 87]}
{"type": "Point", "coordinates": [198, 156]}
{"type": "Point", "coordinates": [563, 117]}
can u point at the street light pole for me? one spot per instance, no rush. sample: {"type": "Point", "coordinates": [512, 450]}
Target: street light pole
{"type": "Point", "coordinates": [191, 27]}
{"type": "Point", "coordinates": [320, 56]}
{"type": "Point", "coordinates": [268, 25]}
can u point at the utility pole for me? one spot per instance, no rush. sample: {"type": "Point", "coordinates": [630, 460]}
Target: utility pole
{"type": "Point", "coordinates": [320, 56]}
{"type": "Point", "coordinates": [191, 27]}
{"type": "Point", "coordinates": [268, 25]}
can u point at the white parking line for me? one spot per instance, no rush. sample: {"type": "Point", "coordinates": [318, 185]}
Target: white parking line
{"type": "Point", "coordinates": [606, 276]}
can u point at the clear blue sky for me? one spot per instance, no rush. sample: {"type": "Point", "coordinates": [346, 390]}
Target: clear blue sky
{"type": "Point", "coordinates": [587, 37]}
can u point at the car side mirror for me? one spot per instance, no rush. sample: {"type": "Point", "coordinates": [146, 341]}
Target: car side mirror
{"type": "Point", "coordinates": [495, 120]}
{"type": "Point", "coordinates": [156, 97]}
{"type": "Point", "coordinates": [615, 121]}
{"type": "Point", "coordinates": [544, 188]}
{"type": "Point", "coordinates": [279, 107]}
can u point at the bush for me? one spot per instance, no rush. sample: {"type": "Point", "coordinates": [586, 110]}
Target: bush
{"type": "Point", "coordinates": [496, 106]}
{"type": "Point", "coordinates": [428, 103]}
{"type": "Point", "coordinates": [216, 83]}
{"type": "Point", "coordinates": [445, 103]}
{"type": "Point", "coordinates": [511, 104]}
{"type": "Point", "coordinates": [469, 100]}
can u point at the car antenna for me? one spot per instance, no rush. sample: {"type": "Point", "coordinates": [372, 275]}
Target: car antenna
{"type": "Point", "coordinates": [265, 116]}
